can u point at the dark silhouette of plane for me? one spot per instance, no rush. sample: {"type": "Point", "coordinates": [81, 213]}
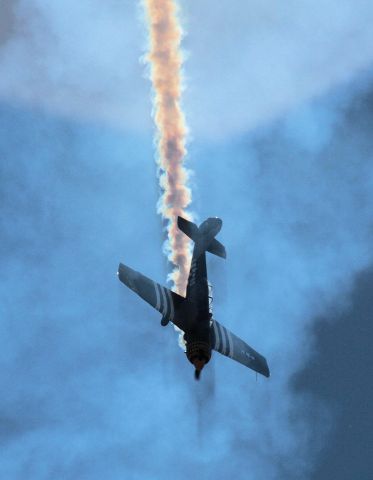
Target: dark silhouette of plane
{"type": "Point", "coordinates": [193, 313]}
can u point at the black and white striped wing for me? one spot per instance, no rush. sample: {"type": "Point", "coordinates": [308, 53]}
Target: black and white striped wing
{"type": "Point", "coordinates": [226, 343]}
{"type": "Point", "coordinates": [159, 297]}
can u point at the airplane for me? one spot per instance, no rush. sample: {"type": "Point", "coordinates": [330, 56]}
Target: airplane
{"type": "Point", "coordinates": [193, 314]}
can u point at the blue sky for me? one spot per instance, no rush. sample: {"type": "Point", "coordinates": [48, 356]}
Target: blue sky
{"type": "Point", "coordinates": [279, 110]}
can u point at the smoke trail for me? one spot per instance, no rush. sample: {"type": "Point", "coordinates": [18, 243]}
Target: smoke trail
{"type": "Point", "coordinates": [166, 60]}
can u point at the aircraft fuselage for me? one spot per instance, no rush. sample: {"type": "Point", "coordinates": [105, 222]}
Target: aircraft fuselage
{"type": "Point", "coordinates": [192, 314]}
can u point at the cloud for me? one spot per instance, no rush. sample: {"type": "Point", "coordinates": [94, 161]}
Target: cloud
{"type": "Point", "coordinates": [80, 60]}
{"type": "Point", "coordinates": [248, 63]}
{"type": "Point", "coordinates": [92, 386]}
{"type": "Point", "coordinates": [297, 226]}
{"type": "Point", "coordinates": [91, 383]}
{"type": "Point", "coordinates": [251, 62]}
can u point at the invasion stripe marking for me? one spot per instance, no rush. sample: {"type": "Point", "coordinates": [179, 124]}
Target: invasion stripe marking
{"type": "Point", "coordinates": [161, 298]}
{"type": "Point", "coordinates": [164, 306]}
{"type": "Point", "coordinates": [217, 339]}
{"type": "Point", "coordinates": [156, 287]}
{"type": "Point", "coordinates": [230, 344]}
{"type": "Point", "coordinates": [167, 305]}
{"type": "Point", "coordinates": [226, 349]}
{"type": "Point", "coordinates": [223, 347]}
{"type": "Point", "coordinates": [171, 302]}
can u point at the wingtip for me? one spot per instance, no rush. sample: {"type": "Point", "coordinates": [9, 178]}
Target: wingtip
{"type": "Point", "coordinates": [180, 221]}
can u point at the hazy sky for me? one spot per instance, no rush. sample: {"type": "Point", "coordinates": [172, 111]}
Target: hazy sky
{"type": "Point", "coordinates": [279, 101]}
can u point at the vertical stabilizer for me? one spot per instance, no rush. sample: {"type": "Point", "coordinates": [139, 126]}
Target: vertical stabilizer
{"type": "Point", "coordinates": [189, 228]}
{"type": "Point", "coordinates": [204, 235]}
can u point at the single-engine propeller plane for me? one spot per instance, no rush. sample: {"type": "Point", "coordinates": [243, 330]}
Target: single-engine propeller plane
{"type": "Point", "coordinates": [193, 313]}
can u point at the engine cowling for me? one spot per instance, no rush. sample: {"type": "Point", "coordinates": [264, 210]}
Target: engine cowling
{"type": "Point", "coordinates": [198, 353]}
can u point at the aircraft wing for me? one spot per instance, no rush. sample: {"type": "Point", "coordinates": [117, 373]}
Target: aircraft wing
{"type": "Point", "coordinates": [226, 343]}
{"type": "Point", "coordinates": [159, 297]}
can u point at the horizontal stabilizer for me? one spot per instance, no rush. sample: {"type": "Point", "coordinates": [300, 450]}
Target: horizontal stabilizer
{"type": "Point", "coordinates": [226, 343]}
{"type": "Point", "coordinates": [159, 297]}
{"type": "Point", "coordinates": [217, 248]}
{"type": "Point", "coordinates": [189, 228]}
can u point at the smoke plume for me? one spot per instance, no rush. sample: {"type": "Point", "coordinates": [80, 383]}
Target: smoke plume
{"type": "Point", "coordinates": [165, 59]}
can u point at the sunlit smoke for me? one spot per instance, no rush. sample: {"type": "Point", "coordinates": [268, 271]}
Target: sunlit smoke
{"type": "Point", "coordinates": [165, 59]}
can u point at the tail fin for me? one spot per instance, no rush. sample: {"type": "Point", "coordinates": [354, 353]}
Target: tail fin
{"type": "Point", "coordinates": [189, 228]}
{"type": "Point", "coordinates": [217, 248]}
{"type": "Point", "coordinates": [192, 231]}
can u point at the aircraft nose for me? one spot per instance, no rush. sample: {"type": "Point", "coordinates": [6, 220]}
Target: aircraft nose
{"type": "Point", "coordinates": [199, 363]}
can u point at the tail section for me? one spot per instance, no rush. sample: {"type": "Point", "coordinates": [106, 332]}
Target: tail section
{"type": "Point", "coordinates": [189, 228]}
{"type": "Point", "coordinates": [204, 235]}
{"type": "Point", "coordinates": [217, 248]}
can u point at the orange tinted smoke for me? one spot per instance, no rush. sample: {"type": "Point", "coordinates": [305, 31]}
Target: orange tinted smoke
{"type": "Point", "coordinates": [166, 61]}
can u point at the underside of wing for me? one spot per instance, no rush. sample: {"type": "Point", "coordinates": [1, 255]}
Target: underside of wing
{"type": "Point", "coordinates": [159, 297]}
{"type": "Point", "coordinates": [228, 344]}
